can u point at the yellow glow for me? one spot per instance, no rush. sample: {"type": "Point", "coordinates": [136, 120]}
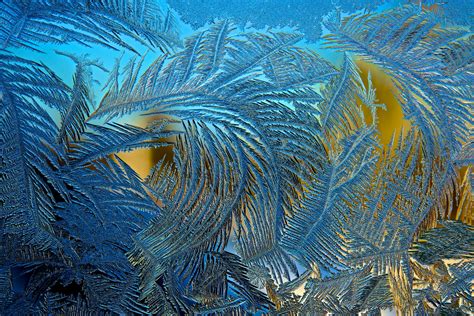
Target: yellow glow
{"type": "Point", "coordinates": [392, 120]}
{"type": "Point", "coordinates": [140, 160]}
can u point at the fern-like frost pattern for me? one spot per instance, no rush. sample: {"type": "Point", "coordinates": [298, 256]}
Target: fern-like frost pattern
{"type": "Point", "coordinates": [271, 191]}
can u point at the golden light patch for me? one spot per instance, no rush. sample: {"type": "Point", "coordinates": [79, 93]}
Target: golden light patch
{"type": "Point", "coordinates": [143, 160]}
{"type": "Point", "coordinates": [139, 160]}
{"type": "Point", "coordinates": [391, 120]}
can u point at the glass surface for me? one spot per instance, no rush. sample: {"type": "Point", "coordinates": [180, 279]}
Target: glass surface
{"type": "Point", "coordinates": [231, 157]}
